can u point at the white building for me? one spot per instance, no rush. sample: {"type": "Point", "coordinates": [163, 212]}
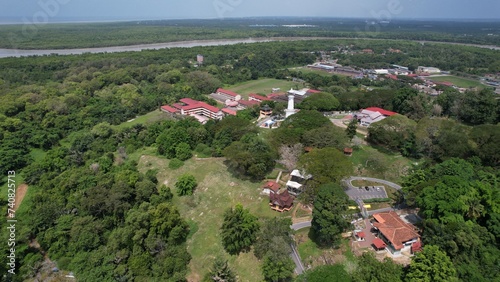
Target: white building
{"type": "Point", "coordinates": [429, 70]}
{"type": "Point", "coordinates": [296, 182]}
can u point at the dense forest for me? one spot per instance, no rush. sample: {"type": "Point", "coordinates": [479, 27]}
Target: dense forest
{"type": "Point", "coordinates": [60, 36]}
{"type": "Point", "coordinates": [95, 213]}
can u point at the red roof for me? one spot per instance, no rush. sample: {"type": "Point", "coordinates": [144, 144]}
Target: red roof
{"type": "Point", "coordinates": [391, 76]}
{"type": "Point", "coordinates": [248, 103]}
{"type": "Point", "coordinates": [229, 111]}
{"type": "Point", "coordinates": [193, 104]}
{"type": "Point", "coordinates": [283, 200]}
{"type": "Point", "coordinates": [361, 234]}
{"type": "Point", "coordinates": [416, 247]}
{"type": "Point", "coordinates": [169, 109]}
{"type": "Point", "coordinates": [259, 97]}
{"type": "Point", "coordinates": [313, 91]}
{"type": "Point", "coordinates": [382, 111]}
{"type": "Point", "coordinates": [227, 92]}
{"type": "Point", "coordinates": [189, 101]}
{"type": "Point", "coordinates": [379, 244]}
{"type": "Point", "coordinates": [275, 95]}
{"type": "Point", "coordinates": [394, 228]}
{"type": "Point", "coordinates": [272, 185]}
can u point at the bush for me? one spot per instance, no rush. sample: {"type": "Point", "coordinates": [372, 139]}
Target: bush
{"type": "Point", "coordinates": [186, 185]}
{"type": "Point", "coordinates": [378, 200]}
{"type": "Point", "coordinates": [175, 164]}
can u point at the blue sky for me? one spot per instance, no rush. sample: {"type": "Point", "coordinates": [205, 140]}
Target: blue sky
{"type": "Point", "coordinates": [53, 10]}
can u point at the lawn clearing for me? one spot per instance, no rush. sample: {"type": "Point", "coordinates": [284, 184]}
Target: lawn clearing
{"type": "Point", "coordinates": [264, 86]}
{"type": "Point", "coordinates": [150, 117]}
{"type": "Point", "coordinates": [217, 190]}
{"type": "Point", "coordinates": [368, 161]}
{"type": "Point", "coordinates": [458, 81]}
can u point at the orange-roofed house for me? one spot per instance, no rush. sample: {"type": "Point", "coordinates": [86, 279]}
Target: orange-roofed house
{"type": "Point", "coordinates": [397, 234]}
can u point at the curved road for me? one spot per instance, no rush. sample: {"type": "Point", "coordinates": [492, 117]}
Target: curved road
{"type": "Point", "coordinates": [349, 180]}
{"type": "Point", "coordinates": [299, 267]}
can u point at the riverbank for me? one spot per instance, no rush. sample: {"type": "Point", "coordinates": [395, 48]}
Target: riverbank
{"type": "Point", "coordinates": [5, 53]}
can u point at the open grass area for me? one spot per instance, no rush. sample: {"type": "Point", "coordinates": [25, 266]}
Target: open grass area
{"type": "Point", "coordinates": [369, 161]}
{"type": "Point", "coordinates": [308, 70]}
{"type": "Point", "coordinates": [263, 86]}
{"type": "Point", "coordinates": [458, 81]}
{"type": "Point", "coordinates": [217, 190]}
{"type": "Point", "coordinates": [150, 117]}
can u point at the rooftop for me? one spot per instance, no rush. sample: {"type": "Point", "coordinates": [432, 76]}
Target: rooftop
{"type": "Point", "coordinates": [394, 228]}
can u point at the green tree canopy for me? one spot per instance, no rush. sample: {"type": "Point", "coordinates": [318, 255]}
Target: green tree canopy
{"type": "Point", "coordinates": [326, 165]}
{"type": "Point", "coordinates": [185, 185]}
{"type": "Point", "coordinates": [431, 264]}
{"type": "Point", "coordinates": [239, 230]}
{"type": "Point", "coordinates": [322, 102]}
{"type": "Point", "coordinates": [330, 206]}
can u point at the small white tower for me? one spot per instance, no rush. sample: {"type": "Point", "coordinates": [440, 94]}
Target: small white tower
{"type": "Point", "coordinates": [290, 110]}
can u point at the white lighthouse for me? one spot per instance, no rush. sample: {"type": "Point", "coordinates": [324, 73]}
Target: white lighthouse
{"type": "Point", "coordinates": [290, 110]}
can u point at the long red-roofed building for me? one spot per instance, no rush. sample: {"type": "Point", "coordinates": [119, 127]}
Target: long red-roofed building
{"type": "Point", "coordinates": [226, 93]}
{"type": "Point", "coordinates": [258, 98]}
{"type": "Point", "coordinates": [382, 111]}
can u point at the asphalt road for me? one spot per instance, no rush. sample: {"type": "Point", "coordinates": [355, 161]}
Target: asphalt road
{"type": "Point", "coordinates": [299, 267]}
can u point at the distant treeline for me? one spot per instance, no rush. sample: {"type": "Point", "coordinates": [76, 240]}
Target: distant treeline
{"type": "Point", "coordinates": [85, 35]}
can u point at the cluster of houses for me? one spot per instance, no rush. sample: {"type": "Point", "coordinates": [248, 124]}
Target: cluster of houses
{"type": "Point", "coordinates": [281, 198]}
{"type": "Point", "coordinates": [232, 103]}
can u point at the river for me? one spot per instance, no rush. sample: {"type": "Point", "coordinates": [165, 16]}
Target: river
{"type": "Point", "coordinates": [4, 53]}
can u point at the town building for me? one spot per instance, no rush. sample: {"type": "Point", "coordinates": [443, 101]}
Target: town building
{"type": "Point", "coordinates": [373, 114]}
{"type": "Point", "coordinates": [197, 109]}
{"type": "Point", "coordinates": [258, 98]}
{"type": "Point", "coordinates": [296, 182]}
{"type": "Point", "coordinates": [428, 70]}
{"type": "Point", "coordinates": [395, 235]}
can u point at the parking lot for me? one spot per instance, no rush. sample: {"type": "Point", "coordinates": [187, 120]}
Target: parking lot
{"type": "Point", "coordinates": [366, 192]}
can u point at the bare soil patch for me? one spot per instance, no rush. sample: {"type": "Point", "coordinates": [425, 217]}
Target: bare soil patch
{"type": "Point", "coordinates": [20, 193]}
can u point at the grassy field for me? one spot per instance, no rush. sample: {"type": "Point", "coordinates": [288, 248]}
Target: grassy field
{"type": "Point", "coordinates": [217, 190]}
{"type": "Point", "coordinates": [458, 81]}
{"type": "Point", "coordinates": [150, 117]}
{"type": "Point", "coordinates": [368, 161]}
{"type": "Point", "coordinates": [308, 70]}
{"type": "Point", "coordinates": [263, 86]}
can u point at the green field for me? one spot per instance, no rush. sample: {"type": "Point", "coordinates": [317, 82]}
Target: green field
{"type": "Point", "coordinates": [458, 81]}
{"type": "Point", "coordinates": [217, 190]}
{"type": "Point", "coordinates": [150, 117]}
{"type": "Point", "coordinates": [263, 86]}
{"type": "Point", "coordinates": [308, 70]}
{"type": "Point", "coordinates": [368, 161]}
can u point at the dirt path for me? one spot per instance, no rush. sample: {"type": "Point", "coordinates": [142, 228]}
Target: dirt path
{"type": "Point", "coordinates": [20, 193]}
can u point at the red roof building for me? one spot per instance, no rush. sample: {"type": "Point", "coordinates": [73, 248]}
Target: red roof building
{"type": "Point", "coordinates": [391, 76]}
{"type": "Point", "coordinates": [272, 186]}
{"type": "Point", "coordinates": [193, 107]}
{"type": "Point", "coordinates": [281, 202]}
{"type": "Point", "coordinates": [169, 109]}
{"type": "Point", "coordinates": [394, 231]}
{"type": "Point", "coordinates": [248, 104]}
{"type": "Point", "coordinates": [382, 111]}
{"type": "Point", "coordinates": [229, 111]}
{"type": "Point", "coordinates": [313, 91]}
{"type": "Point", "coordinates": [379, 244]}
{"type": "Point", "coordinates": [258, 98]}
{"type": "Point", "coordinates": [416, 247]}
{"type": "Point", "coordinates": [227, 93]}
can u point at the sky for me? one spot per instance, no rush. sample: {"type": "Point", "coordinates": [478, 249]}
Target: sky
{"type": "Point", "coordinates": [38, 11]}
